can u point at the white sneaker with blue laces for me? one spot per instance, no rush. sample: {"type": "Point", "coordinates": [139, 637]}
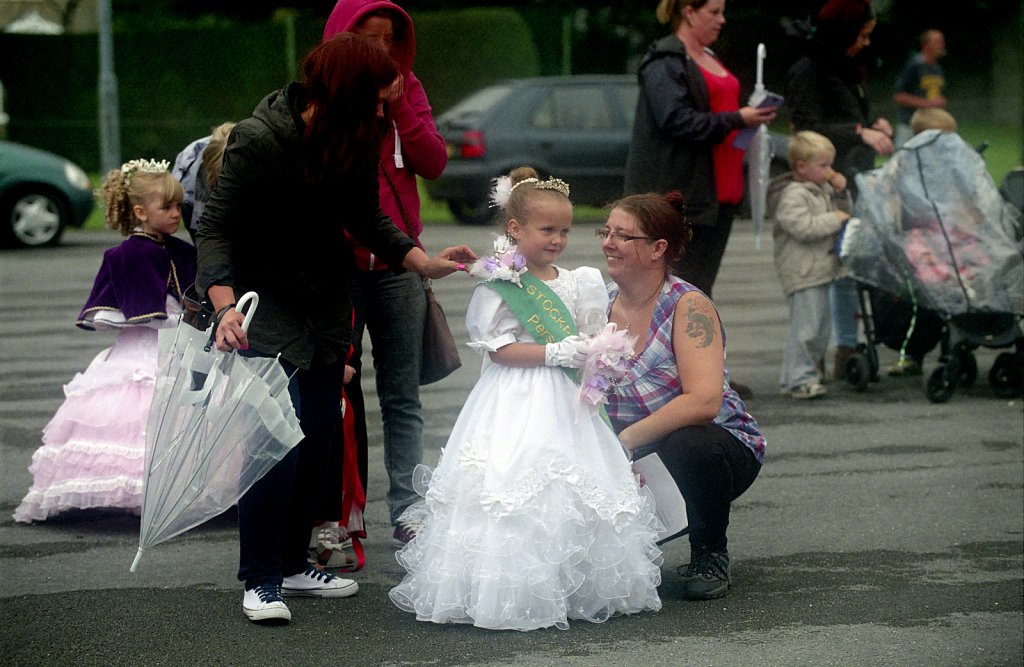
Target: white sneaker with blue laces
{"type": "Point", "coordinates": [264, 603]}
{"type": "Point", "coordinates": [317, 583]}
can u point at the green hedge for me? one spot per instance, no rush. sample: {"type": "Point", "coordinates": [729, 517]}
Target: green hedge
{"type": "Point", "coordinates": [460, 51]}
{"type": "Point", "coordinates": [175, 84]}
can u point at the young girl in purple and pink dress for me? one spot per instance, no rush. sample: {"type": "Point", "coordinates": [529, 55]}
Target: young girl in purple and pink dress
{"type": "Point", "coordinates": [94, 447]}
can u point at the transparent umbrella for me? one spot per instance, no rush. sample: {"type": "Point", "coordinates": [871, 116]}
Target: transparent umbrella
{"type": "Point", "coordinates": [218, 423]}
{"type": "Point", "coordinates": [759, 153]}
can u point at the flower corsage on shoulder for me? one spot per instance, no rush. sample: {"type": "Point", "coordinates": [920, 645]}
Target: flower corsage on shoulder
{"type": "Point", "coordinates": [504, 264]}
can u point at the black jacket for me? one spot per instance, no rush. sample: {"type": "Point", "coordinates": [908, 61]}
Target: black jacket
{"type": "Point", "coordinates": [825, 95]}
{"type": "Point", "coordinates": [674, 131]}
{"type": "Point", "coordinates": [266, 229]}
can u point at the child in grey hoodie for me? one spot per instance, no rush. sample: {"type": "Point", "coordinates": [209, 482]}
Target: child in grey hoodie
{"type": "Point", "coordinates": [810, 205]}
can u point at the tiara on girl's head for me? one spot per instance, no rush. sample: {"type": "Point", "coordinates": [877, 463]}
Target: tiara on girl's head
{"type": "Point", "coordinates": [503, 188]}
{"type": "Point", "coordinates": [556, 184]}
{"type": "Point", "coordinates": [132, 167]}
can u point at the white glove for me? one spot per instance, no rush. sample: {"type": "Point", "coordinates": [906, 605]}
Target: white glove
{"type": "Point", "coordinates": [569, 352]}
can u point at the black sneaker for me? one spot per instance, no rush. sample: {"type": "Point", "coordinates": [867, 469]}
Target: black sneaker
{"type": "Point", "coordinates": [706, 576]}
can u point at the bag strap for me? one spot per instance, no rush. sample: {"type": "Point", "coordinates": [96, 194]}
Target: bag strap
{"type": "Point", "coordinates": [401, 207]}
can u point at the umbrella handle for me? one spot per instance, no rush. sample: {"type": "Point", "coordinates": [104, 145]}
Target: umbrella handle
{"type": "Point", "coordinates": [135, 563]}
{"type": "Point", "coordinates": [246, 298]}
{"type": "Point", "coordinates": [762, 52]}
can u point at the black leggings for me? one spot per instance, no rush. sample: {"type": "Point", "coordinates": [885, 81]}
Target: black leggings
{"type": "Point", "coordinates": [712, 469]}
{"type": "Point", "coordinates": [703, 257]}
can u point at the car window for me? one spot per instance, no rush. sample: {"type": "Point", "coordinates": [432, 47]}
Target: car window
{"type": "Point", "coordinates": [477, 103]}
{"type": "Point", "coordinates": [574, 108]}
{"type": "Point", "coordinates": [625, 95]}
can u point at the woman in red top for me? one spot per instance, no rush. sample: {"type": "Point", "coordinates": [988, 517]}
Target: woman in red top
{"type": "Point", "coordinates": [687, 115]}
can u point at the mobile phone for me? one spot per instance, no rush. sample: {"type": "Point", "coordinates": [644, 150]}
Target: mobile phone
{"type": "Point", "coordinates": [771, 100]}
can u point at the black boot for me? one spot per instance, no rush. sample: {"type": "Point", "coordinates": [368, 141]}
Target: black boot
{"type": "Point", "coordinates": [706, 577]}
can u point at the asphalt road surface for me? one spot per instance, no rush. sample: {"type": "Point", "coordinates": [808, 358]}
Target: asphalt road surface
{"type": "Point", "coordinates": [883, 530]}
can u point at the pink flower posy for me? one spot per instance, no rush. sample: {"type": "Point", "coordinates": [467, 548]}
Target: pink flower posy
{"type": "Point", "coordinates": [609, 357]}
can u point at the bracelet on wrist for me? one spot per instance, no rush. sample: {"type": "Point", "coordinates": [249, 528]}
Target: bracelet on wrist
{"type": "Point", "coordinates": [220, 314]}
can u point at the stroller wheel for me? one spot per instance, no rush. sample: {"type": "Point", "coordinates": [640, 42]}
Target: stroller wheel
{"type": "Point", "coordinates": [857, 371]}
{"type": "Point", "coordinates": [1006, 376]}
{"type": "Point", "coordinates": [968, 371]}
{"type": "Point", "coordinates": [937, 388]}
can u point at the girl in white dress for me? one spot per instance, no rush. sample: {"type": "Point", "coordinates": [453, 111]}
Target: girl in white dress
{"type": "Point", "coordinates": [532, 516]}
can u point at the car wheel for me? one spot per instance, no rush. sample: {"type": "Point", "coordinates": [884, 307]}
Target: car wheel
{"type": "Point", "coordinates": [34, 218]}
{"type": "Point", "coordinates": [471, 213]}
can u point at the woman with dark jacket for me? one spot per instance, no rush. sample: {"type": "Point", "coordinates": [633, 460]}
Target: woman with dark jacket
{"type": "Point", "coordinates": [826, 93]}
{"type": "Point", "coordinates": [687, 116]}
{"type": "Point", "coordinates": [296, 176]}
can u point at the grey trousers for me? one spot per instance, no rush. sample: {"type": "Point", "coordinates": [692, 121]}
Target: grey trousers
{"type": "Point", "coordinates": [810, 328]}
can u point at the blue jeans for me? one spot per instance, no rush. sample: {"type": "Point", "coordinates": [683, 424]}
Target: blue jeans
{"type": "Point", "coordinates": [275, 516]}
{"type": "Point", "coordinates": [394, 309]}
{"type": "Point", "coordinates": [845, 312]}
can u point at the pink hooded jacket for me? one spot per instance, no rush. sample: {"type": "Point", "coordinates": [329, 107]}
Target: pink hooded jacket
{"type": "Point", "coordinates": [421, 147]}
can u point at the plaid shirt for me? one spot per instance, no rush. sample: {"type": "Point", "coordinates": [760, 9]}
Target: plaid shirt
{"type": "Point", "coordinates": [654, 379]}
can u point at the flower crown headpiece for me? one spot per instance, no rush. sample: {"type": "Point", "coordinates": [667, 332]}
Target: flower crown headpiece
{"type": "Point", "coordinates": [503, 188]}
{"type": "Point", "coordinates": [132, 167]}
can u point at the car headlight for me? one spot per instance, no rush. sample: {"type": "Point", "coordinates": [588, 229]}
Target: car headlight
{"type": "Point", "coordinates": [76, 176]}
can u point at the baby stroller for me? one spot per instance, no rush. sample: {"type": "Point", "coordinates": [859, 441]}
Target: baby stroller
{"type": "Point", "coordinates": [932, 229]}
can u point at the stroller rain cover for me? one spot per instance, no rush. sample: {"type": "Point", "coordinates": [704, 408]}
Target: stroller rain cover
{"type": "Point", "coordinates": [932, 220]}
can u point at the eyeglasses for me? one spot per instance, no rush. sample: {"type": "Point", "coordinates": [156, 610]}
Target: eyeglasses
{"type": "Point", "coordinates": [603, 234]}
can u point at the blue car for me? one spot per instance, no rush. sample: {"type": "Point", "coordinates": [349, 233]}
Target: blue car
{"type": "Point", "coordinates": [41, 194]}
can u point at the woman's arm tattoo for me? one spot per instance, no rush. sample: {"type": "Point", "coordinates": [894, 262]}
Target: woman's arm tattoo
{"type": "Point", "coordinates": [700, 325]}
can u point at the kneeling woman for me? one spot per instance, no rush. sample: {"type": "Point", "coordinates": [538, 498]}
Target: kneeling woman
{"type": "Point", "coordinates": [677, 400]}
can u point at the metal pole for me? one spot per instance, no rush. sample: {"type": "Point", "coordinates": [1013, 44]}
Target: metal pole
{"type": "Point", "coordinates": [109, 117]}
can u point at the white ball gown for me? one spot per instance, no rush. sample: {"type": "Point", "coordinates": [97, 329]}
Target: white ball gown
{"type": "Point", "coordinates": [533, 515]}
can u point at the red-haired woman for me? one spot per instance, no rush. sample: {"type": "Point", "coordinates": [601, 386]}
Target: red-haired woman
{"type": "Point", "coordinates": [676, 401]}
{"type": "Point", "coordinates": [296, 176]}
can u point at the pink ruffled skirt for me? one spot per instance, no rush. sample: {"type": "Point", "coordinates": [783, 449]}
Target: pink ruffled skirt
{"type": "Point", "coordinates": [93, 451]}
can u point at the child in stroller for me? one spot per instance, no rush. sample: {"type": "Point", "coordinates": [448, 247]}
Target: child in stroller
{"type": "Point", "coordinates": [932, 230]}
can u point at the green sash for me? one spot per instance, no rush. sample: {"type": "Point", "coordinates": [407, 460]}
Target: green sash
{"type": "Point", "coordinates": [539, 310]}
{"type": "Point", "coordinates": [543, 314]}
{"type": "Point", "coordinates": [537, 307]}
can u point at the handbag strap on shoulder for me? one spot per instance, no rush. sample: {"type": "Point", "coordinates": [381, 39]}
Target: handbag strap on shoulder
{"type": "Point", "coordinates": [401, 206]}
